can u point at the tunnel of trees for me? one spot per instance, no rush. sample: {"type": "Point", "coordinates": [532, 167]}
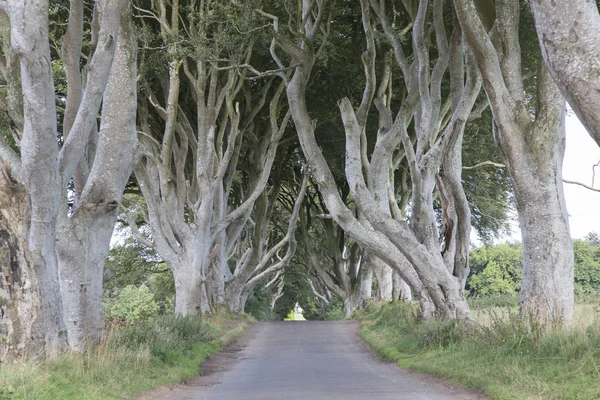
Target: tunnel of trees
{"type": "Point", "coordinates": [254, 154]}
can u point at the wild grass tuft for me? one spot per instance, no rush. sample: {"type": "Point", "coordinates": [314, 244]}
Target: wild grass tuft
{"type": "Point", "coordinates": [132, 359]}
{"type": "Point", "coordinates": [506, 356]}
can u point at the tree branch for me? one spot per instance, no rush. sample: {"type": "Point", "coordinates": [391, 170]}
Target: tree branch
{"type": "Point", "coordinates": [581, 184]}
{"type": "Point", "coordinates": [481, 164]}
{"type": "Point", "coordinates": [12, 159]}
{"type": "Point", "coordinates": [99, 69]}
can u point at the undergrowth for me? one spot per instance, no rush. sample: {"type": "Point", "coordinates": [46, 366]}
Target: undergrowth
{"type": "Point", "coordinates": [507, 357]}
{"type": "Point", "coordinates": [132, 359]}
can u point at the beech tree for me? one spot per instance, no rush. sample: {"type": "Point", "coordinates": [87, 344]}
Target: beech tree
{"type": "Point", "coordinates": [259, 252]}
{"type": "Point", "coordinates": [532, 141]}
{"type": "Point", "coordinates": [568, 37]}
{"type": "Point", "coordinates": [49, 242]}
{"type": "Point", "coordinates": [189, 165]}
{"type": "Point", "coordinates": [332, 262]}
{"type": "Point", "coordinates": [436, 275]}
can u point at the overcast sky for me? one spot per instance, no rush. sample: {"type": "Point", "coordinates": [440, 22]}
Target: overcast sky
{"type": "Point", "coordinates": [581, 155]}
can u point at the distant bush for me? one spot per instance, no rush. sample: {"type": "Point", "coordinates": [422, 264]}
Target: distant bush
{"type": "Point", "coordinates": [587, 267]}
{"type": "Point", "coordinates": [495, 270]}
{"type": "Point", "coordinates": [334, 314]}
{"type": "Point", "coordinates": [134, 304]}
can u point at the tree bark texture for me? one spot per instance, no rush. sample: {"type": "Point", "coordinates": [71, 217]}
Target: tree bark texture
{"type": "Point", "coordinates": [533, 150]}
{"type": "Point", "coordinates": [22, 327]}
{"type": "Point", "coordinates": [83, 238]}
{"type": "Point", "coordinates": [401, 291]}
{"type": "Point", "coordinates": [568, 36]}
{"type": "Point", "coordinates": [385, 284]}
{"type": "Point", "coordinates": [41, 178]}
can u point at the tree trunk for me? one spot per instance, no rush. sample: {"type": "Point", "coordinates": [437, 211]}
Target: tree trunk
{"type": "Point", "coordinates": [83, 239]}
{"type": "Point", "coordinates": [82, 244]}
{"type": "Point", "coordinates": [383, 274]}
{"type": "Point", "coordinates": [350, 304]}
{"type": "Point", "coordinates": [547, 287]}
{"type": "Point", "coordinates": [352, 300]}
{"type": "Point", "coordinates": [401, 290]}
{"type": "Point", "coordinates": [39, 149]}
{"type": "Point", "coordinates": [22, 324]}
{"type": "Point", "coordinates": [366, 283]}
{"type": "Point", "coordinates": [533, 153]}
{"type": "Point", "coordinates": [568, 36]}
{"type": "Point", "coordinates": [189, 289]}
{"type": "Point", "coordinates": [234, 295]}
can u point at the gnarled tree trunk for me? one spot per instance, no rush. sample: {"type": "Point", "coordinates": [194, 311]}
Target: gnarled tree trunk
{"type": "Point", "coordinates": [568, 36]}
{"type": "Point", "coordinates": [83, 238]}
{"type": "Point", "coordinates": [533, 152]}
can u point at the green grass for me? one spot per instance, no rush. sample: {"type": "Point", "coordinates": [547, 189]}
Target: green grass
{"type": "Point", "coordinates": [130, 361]}
{"type": "Point", "coordinates": [505, 357]}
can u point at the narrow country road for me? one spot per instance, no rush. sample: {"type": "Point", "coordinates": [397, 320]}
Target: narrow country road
{"type": "Point", "coordinates": [308, 361]}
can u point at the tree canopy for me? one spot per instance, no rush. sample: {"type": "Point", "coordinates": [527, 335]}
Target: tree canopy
{"type": "Point", "coordinates": [272, 152]}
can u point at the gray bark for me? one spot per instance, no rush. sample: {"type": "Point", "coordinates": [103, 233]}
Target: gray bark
{"type": "Point", "coordinates": [189, 215]}
{"type": "Point", "coordinates": [83, 238]}
{"type": "Point", "coordinates": [401, 290]}
{"type": "Point", "coordinates": [366, 283]}
{"type": "Point", "coordinates": [271, 263]}
{"type": "Point", "coordinates": [42, 317]}
{"type": "Point", "coordinates": [23, 332]}
{"type": "Point", "coordinates": [45, 170]}
{"type": "Point", "coordinates": [368, 238]}
{"type": "Point", "coordinates": [533, 152]}
{"type": "Point", "coordinates": [339, 267]}
{"type": "Point", "coordinates": [385, 284]}
{"type": "Point", "coordinates": [188, 288]}
{"type": "Point", "coordinates": [391, 240]}
{"type": "Point", "coordinates": [568, 36]}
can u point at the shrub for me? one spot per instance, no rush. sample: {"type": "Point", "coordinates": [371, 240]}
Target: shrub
{"type": "Point", "coordinates": [495, 270]}
{"type": "Point", "coordinates": [134, 304]}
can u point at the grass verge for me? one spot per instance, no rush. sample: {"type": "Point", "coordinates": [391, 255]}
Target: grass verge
{"type": "Point", "coordinates": [132, 360]}
{"type": "Point", "coordinates": [507, 358]}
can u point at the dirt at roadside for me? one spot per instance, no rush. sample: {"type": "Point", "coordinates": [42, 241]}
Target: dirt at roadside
{"type": "Point", "coordinates": [211, 371]}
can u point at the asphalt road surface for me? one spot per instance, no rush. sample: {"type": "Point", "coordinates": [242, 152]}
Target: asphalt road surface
{"type": "Point", "coordinates": [307, 361]}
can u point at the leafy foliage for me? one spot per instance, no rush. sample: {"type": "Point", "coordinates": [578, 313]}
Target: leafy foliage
{"type": "Point", "coordinates": [487, 187]}
{"type": "Point", "coordinates": [134, 304]}
{"type": "Point", "coordinates": [131, 263]}
{"type": "Point", "coordinates": [587, 267]}
{"type": "Point", "coordinates": [495, 270]}
{"type": "Point", "coordinates": [259, 305]}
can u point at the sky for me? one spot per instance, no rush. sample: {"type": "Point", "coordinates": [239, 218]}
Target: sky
{"type": "Point", "coordinates": [581, 154]}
